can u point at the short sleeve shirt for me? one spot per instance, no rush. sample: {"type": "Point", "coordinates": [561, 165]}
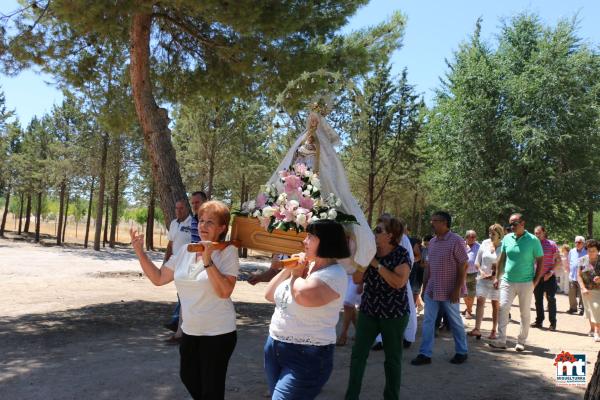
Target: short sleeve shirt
{"type": "Point", "coordinates": [520, 257]}
{"type": "Point", "coordinates": [472, 254]}
{"type": "Point", "coordinates": [180, 233]}
{"type": "Point", "coordinates": [294, 323]}
{"type": "Point", "coordinates": [446, 254]}
{"type": "Point", "coordinates": [379, 299]}
{"type": "Point", "coordinates": [550, 250]}
{"type": "Point", "coordinates": [204, 312]}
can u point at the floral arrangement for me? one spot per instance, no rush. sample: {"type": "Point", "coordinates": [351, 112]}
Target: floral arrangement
{"type": "Point", "coordinates": [297, 203]}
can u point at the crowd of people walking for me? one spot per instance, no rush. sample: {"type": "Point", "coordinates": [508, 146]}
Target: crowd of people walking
{"type": "Point", "coordinates": [381, 300]}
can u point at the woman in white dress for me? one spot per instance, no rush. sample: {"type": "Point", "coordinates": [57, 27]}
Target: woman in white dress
{"type": "Point", "coordinates": [487, 256]}
{"type": "Point", "coordinates": [204, 282]}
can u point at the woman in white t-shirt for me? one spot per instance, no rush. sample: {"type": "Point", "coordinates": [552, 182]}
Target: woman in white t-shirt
{"type": "Point", "coordinates": [308, 299]}
{"type": "Point", "coordinates": [204, 282]}
{"type": "Point", "coordinates": [486, 263]}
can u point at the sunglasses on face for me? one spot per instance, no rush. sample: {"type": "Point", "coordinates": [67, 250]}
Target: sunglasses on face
{"type": "Point", "coordinates": [378, 230]}
{"type": "Point", "coordinates": [514, 223]}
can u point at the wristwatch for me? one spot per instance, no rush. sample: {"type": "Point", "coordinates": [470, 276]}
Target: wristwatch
{"type": "Point", "coordinates": [210, 264]}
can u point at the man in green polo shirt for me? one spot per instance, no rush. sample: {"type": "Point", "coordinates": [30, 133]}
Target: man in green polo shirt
{"type": "Point", "coordinates": [520, 268]}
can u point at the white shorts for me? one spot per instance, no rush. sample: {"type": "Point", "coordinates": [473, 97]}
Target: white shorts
{"type": "Point", "coordinates": [352, 298]}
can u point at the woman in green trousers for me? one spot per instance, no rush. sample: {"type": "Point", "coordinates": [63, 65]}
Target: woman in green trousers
{"type": "Point", "coordinates": [384, 308]}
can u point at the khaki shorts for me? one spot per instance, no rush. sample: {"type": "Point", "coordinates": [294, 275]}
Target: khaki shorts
{"type": "Point", "coordinates": [472, 284]}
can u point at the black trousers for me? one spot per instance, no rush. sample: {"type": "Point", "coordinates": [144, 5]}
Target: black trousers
{"type": "Point", "coordinates": [549, 289]}
{"type": "Point", "coordinates": [203, 364]}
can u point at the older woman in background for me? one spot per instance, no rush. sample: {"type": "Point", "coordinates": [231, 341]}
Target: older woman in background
{"type": "Point", "coordinates": [588, 277]}
{"type": "Point", "coordinates": [204, 282]}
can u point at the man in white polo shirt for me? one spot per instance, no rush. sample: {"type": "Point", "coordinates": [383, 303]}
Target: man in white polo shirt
{"type": "Point", "coordinates": [180, 235]}
{"type": "Point", "coordinates": [180, 230]}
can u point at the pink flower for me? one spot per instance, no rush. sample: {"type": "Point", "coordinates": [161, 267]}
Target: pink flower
{"type": "Point", "coordinates": [288, 216]}
{"type": "Point", "coordinates": [283, 173]}
{"type": "Point", "coordinates": [307, 202]}
{"type": "Point", "coordinates": [261, 200]}
{"type": "Point", "coordinates": [264, 222]}
{"type": "Point", "coordinates": [292, 183]}
{"type": "Point", "coordinates": [278, 215]}
{"type": "Point", "coordinates": [300, 169]}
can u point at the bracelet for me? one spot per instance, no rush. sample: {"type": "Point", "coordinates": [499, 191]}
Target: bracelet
{"type": "Point", "coordinates": [210, 264]}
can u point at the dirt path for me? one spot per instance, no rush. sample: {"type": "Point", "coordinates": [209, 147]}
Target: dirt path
{"type": "Point", "coordinates": [79, 324]}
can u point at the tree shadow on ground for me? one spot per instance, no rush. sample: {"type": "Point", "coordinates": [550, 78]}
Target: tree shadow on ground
{"type": "Point", "coordinates": [117, 351]}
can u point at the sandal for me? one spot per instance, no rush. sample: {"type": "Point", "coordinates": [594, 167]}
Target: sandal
{"type": "Point", "coordinates": [472, 333]}
{"type": "Point", "coordinates": [492, 335]}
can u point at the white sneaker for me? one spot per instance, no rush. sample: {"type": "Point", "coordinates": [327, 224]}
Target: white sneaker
{"type": "Point", "coordinates": [519, 347]}
{"type": "Point", "coordinates": [596, 337]}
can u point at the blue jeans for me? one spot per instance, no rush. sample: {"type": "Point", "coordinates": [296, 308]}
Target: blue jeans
{"type": "Point", "coordinates": [296, 371]}
{"type": "Point", "coordinates": [452, 313]}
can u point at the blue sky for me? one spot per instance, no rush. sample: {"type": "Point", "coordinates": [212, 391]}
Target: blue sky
{"type": "Point", "coordinates": [434, 30]}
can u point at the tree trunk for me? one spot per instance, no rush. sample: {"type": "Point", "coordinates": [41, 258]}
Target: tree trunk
{"type": "Point", "coordinates": [153, 120]}
{"type": "Point", "coordinates": [61, 205]}
{"type": "Point", "coordinates": [150, 222]}
{"type": "Point", "coordinates": [89, 215]}
{"type": "Point", "coordinates": [115, 197]}
{"type": "Point", "coordinates": [590, 224]}
{"type": "Point", "coordinates": [413, 222]}
{"type": "Point", "coordinates": [20, 212]}
{"type": "Point", "coordinates": [100, 207]}
{"type": "Point", "coordinates": [5, 213]}
{"type": "Point", "coordinates": [38, 217]}
{"type": "Point", "coordinates": [27, 213]}
{"type": "Point", "coordinates": [211, 173]}
{"type": "Point", "coordinates": [105, 238]}
{"type": "Point", "coordinates": [370, 202]}
{"type": "Point", "coordinates": [64, 230]}
{"type": "Point", "coordinates": [243, 252]}
{"type": "Point", "coordinates": [593, 390]}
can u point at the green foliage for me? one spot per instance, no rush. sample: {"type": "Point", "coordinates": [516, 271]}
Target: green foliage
{"type": "Point", "coordinates": [516, 128]}
{"type": "Point", "coordinates": [382, 155]}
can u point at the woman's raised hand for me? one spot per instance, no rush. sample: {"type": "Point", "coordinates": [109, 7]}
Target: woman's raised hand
{"type": "Point", "coordinates": [137, 240]}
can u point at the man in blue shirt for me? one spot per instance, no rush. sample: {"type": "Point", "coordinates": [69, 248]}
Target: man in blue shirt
{"type": "Point", "coordinates": [574, 291]}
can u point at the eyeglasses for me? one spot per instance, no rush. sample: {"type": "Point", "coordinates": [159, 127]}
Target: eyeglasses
{"type": "Point", "coordinates": [579, 242]}
{"type": "Point", "coordinates": [514, 223]}
{"type": "Point", "coordinates": [378, 230]}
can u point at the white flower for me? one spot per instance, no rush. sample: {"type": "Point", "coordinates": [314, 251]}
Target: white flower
{"type": "Point", "coordinates": [314, 218]}
{"type": "Point", "coordinates": [306, 193]}
{"type": "Point", "coordinates": [309, 187]}
{"type": "Point", "coordinates": [308, 173]}
{"type": "Point", "coordinates": [332, 214]}
{"type": "Point", "coordinates": [251, 205]}
{"type": "Point", "coordinates": [338, 203]}
{"type": "Point", "coordinates": [316, 183]}
{"type": "Point", "coordinates": [323, 215]}
{"type": "Point", "coordinates": [301, 219]}
{"type": "Point", "coordinates": [293, 204]}
{"type": "Point", "coordinates": [268, 211]}
{"type": "Point", "coordinates": [282, 198]}
{"type": "Point", "coordinates": [256, 213]}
